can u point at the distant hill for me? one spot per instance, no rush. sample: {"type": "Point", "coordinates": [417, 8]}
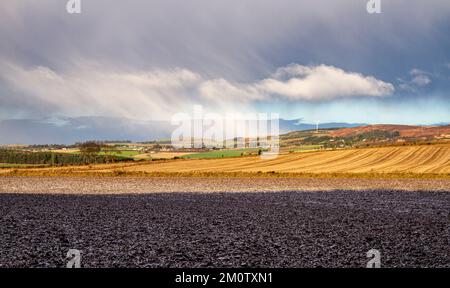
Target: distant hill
{"type": "Point", "coordinates": [71, 130]}
{"type": "Point", "coordinates": [366, 135]}
{"type": "Point", "coordinates": [295, 125]}
{"type": "Point", "coordinates": [406, 131]}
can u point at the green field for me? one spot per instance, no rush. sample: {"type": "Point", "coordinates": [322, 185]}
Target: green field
{"type": "Point", "coordinates": [221, 154]}
{"type": "Point", "coordinates": [117, 153]}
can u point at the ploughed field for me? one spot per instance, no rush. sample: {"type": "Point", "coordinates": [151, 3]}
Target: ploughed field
{"type": "Point", "coordinates": [412, 160]}
{"type": "Point", "coordinates": [324, 228]}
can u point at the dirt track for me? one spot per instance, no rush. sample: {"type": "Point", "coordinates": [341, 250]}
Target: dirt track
{"type": "Point", "coordinates": [272, 229]}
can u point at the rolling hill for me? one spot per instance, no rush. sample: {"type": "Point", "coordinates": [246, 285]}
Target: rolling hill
{"type": "Point", "coordinates": [403, 130]}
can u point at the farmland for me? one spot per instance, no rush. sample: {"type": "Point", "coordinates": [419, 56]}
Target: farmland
{"type": "Point", "coordinates": [221, 154]}
{"type": "Point", "coordinates": [9, 165]}
{"type": "Point", "coordinates": [366, 151]}
{"type": "Point", "coordinates": [415, 161]}
{"type": "Point", "coordinates": [233, 211]}
{"type": "Point", "coordinates": [216, 230]}
{"type": "Point", "coordinates": [121, 154]}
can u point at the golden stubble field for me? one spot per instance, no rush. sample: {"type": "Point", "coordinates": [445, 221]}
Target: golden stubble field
{"type": "Point", "coordinates": [420, 161]}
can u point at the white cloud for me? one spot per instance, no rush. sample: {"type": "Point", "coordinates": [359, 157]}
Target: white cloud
{"type": "Point", "coordinates": [323, 83]}
{"type": "Point", "coordinates": [298, 82]}
{"type": "Point", "coordinates": [421, 80]}
{"type": "Point", "coordinates": [418, 79]}
{"type": "Point", "coordinates": [93, 90]}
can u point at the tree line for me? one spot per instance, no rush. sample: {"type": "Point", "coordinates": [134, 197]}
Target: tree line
{"type": "Point", "coordinates": [50, 158]}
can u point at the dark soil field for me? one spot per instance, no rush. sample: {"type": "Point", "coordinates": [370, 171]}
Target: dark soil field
{"type": "Point", "coordinates": [270, 229]}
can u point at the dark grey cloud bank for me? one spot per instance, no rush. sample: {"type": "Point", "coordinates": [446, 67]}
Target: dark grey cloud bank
{"type": "Point", "coordinates": [243, 40]}
{"type": "Point", "coordinates": [148, 59]}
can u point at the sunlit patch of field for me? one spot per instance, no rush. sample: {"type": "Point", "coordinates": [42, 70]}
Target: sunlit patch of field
{"type": "Point", "coordinates": [417, 161]}
{"type": "Point", "coordinates": [222, 153]}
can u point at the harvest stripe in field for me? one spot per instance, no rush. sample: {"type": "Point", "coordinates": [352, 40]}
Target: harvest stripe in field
{"type": "Point", "coordinates": [410, 159]}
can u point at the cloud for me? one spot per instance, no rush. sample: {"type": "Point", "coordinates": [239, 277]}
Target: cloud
{"type": "Point", "coordinates": [93, 90]}
{"type": "Point", "coordinates": [90, 90]}
{"type": "Point", "coordinates": [323, 83]}
{"type": "Point", "coordinates": [418, 79]}
{"type": "Point", "coordinates": [234, 39]}
{"type": "Point", "coordinates": [298, 82]}
{"type": "Point", "coordinates": [421, 80]}
{"type": "Point", "coordinates": [223, 90]}
{"type": "Point", "coordinates": [120, 58]}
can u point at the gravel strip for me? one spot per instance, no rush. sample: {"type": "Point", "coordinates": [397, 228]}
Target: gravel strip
{"type": "Point", "coordinates": [128, 185]}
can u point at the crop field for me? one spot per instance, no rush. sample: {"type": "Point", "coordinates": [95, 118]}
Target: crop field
{"type": "Point", "coordinates": [123, 153]}
{"type": "Point", "coordinates": [10, 165]}
{"type": "Point", "coordinates": [220, 154]}
{"type": "Point", "coordinates": [168, 155]}
{"type": "Point", "coordinates": [160, 155]}
{"type": "Point", "coordinates": [118, 153]}
{"type": "Point", "coordinates": [413, 160]}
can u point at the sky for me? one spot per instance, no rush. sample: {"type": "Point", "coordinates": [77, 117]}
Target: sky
{"type": "Point", "coordinates": [137, 60]}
